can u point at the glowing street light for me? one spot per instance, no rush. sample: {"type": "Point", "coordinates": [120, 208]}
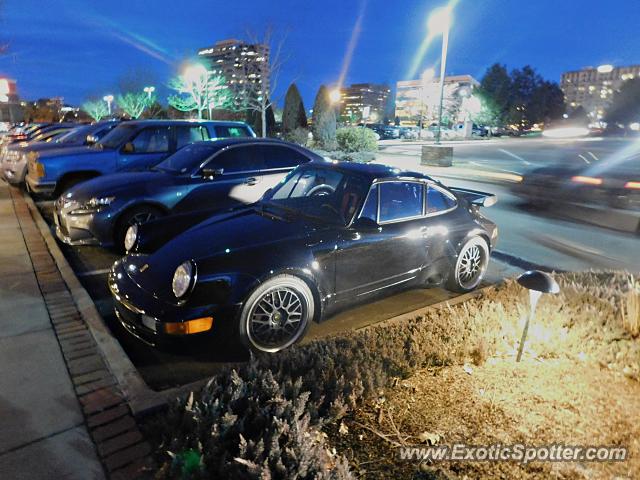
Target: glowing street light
{"type": "Point", "coordinates": [195, 74]}
{"type": "Point", "coordinates": [109, 100]}
{"type": "Point", "coordinates": [334, 95]}
{"type": "Point", "coordinates": [439, 23]}
{"type": "Point", "coordinates": [149, 90]}
{"type": "Point", "coordinates": [537, 283]}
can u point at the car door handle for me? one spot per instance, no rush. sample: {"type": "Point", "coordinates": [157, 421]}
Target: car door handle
{"type": "Point", "coordinates": [251, 181]}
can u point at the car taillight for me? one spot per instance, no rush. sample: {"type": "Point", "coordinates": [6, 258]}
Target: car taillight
{"type": "Point", "coordinates": [634, 185]}
{"type": "Point", "coordinates": [587, 180]}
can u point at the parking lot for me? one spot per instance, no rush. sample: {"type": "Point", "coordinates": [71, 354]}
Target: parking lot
{"type": "Point", "coordinates": [185, 362]}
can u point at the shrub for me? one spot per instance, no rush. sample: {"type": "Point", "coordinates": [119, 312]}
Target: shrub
{"type": "Point", "coordinates": [356, 139]}
{"type": "Point", "coordinates": [299, 135]}
{"type": "Point", "coordinates": [263, 420]}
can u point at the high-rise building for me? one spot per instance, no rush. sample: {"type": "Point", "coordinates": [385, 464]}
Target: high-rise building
{"type": "Point", "coordinates": [418, 100]}
{"type": "Point", "coordinates": [593, 88]}
{"type": "Point", "coordinates": [244, 66]}
{"type": "Point", "coordinates": [355, 98]}
{"type": "Point", "coordinates": [10, 108]}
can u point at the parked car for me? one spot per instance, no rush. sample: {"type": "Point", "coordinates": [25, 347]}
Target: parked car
{"type": "Point", "coordinates": [385, 132]}
{"type": "Point", "coordinates": [134, 145]}
{"type": "Point", "coordinates": [331, 233]}
{"type": "Point", "coordinates": [14, 162]}
{"type": "Point", "coordinates": [204, 175]}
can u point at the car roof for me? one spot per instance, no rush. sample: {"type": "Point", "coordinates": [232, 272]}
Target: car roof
{"type": "Point", "coordinates": [375, 171]}
{"type": "Point", "coordinates": [232, 141]}
{"type": "Point", "coordinates": [182, 122]}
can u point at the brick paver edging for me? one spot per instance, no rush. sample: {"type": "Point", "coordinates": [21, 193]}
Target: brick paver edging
{"type": "Point", "coordinates": [120, 445]}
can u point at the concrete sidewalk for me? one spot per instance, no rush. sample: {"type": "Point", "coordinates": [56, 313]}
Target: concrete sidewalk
{"type": "Point", "coordinates": [61, 413]}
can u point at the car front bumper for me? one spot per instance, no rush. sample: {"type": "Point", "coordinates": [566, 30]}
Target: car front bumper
{"type": "Point", "coordinates": [36, 186]}
{"type": "Point", "coordinates": [90, 228]}
{"type": "Point", "coordinates": [146, 317]}
{"type": "Point", "coordinates": [14, 173]}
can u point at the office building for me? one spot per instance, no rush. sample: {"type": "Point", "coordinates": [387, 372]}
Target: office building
{"type": "Point", "coordinates": [368, 98]}
{"type": "Point", "coordinates": [417, 101]}
{"type": "Point", "coordinates": [593, 88]}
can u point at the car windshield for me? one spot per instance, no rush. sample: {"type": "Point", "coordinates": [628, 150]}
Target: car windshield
{"type": "Point", "coordinates": [187, 158]}
{"type": "Point", "coordinates": [116, 137]}
{"type": "Point", "coordinates": [325, 194]}
{"type": "Point", "coordinates": [74, 135]}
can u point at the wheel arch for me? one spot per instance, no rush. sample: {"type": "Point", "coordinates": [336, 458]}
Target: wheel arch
{"type": "Point", "coordinates": [132, 206]}
{"type": "Point", "coordinates": [306, 277]}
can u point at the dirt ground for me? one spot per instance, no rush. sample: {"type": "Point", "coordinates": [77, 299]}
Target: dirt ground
{"type": "Point", "coordinates": [536, 402]}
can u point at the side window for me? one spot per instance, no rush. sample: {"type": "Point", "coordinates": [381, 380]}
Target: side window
{"type": "Point", "coordinates": [101, 133]}
{"type": "Point", "coordinates": [399, 200]}
{"type": "Point", "coordinates": [226, 131]}
{"type": "Point", "coordinates": [187, 135]}
{"type": "Point", "coordinates": [370, 208]}
{"type": "Point", "coordinates": [239, 159]}
{"type": "Point", "coordinates": [152, 140]}
{"type": "Point", "coordinates": [438, 201]}
{"type": "Point", "coordinates": [282, 157]}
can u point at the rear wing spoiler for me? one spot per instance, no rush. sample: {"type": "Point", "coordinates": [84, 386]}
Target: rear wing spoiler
{"type": "Point", "coordinates": [474, 197]}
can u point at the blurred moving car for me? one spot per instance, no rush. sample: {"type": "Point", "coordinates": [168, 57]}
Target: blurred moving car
{"type": "Point", "coordinates": [203, 175]}
{"type": "Point", "coordinates": [134, 145]}
{"type": "Point", "coordinates": [331, 233]}
{"type": "Point", "coordinates": [14, 163]}
{"type": "Point", "coordinates": [608, 184]}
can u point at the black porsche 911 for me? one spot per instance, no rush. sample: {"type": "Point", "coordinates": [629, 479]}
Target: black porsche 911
{"type": "Point", "coordinates": [328, 234]}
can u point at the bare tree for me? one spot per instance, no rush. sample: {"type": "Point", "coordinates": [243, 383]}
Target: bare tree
{"type": "Point", "coordinates": [135, 103]}
{"type": "Point", "coordinates": [258, 91]}
{"type": "Point", "coordinates": [95, 109]}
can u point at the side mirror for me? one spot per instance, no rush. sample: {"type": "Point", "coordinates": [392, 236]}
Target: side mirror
{"type": "Point", "coordinates": [211, 173]}
{"type": "Point", "coordinates": [91, 140]}
{"type": "Point", "coordinates": [128, 148]}
{"type": "Point", "coordinates": [365, 224]}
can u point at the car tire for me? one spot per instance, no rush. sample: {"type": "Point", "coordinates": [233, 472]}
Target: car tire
{"type": "Point", "coordinates": [470, 266]}
{"type": "Point", "coordinates": [280, 301]}
{"type": "Point", "coordinates": [136, 215]}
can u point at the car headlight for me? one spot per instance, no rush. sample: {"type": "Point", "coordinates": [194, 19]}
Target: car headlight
{"type": "Point", "coordinates": [183, 279]}
{"type": "Point", "coordinates": [93, 205]}
{"type": "Point", "coordinates": [131, 237]}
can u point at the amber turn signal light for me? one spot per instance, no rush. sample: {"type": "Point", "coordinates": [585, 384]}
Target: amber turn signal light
{"type": "Point", "coordinates": [189, 327]}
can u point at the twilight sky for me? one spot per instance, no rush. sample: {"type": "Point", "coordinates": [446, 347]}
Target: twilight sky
{"type": "Point", "coordinates": [81, 48]}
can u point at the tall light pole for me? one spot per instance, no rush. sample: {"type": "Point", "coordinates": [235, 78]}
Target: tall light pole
{"type": "Point", "coordinates": [108, 99]}
{"type": "Point", "coordinates": [149, 90]}
{"type": "Point", "coordinates": [440, 23]}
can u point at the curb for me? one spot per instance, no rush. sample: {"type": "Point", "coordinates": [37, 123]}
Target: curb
{"type": "Point", "coordinates": [140, 398]}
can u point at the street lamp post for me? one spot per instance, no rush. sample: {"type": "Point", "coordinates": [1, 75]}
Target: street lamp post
{"type": "Point", "coordinates": [537, 283]}
{"type": "Point", "coordinates": [108, 99]}
{"type": "Point", "coordinates": [149, 90]}
{"type": "Point", "coordinates": [440, 23]}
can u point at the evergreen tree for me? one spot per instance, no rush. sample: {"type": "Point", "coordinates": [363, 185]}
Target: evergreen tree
{"type": "Point", "coordinates": [324, 120]}
{"type": "Point", "coordinates": [293, 115]}
{"type": "Point", "coordinates": [495, 92]}
{"type": "Point", "coordinates": [625, 107]}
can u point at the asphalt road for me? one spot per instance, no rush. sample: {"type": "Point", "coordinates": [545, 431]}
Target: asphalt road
{"type": "Point", "coordinates": [526, 238]}
{"type": "Point", "coordinates": [538, 237]}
